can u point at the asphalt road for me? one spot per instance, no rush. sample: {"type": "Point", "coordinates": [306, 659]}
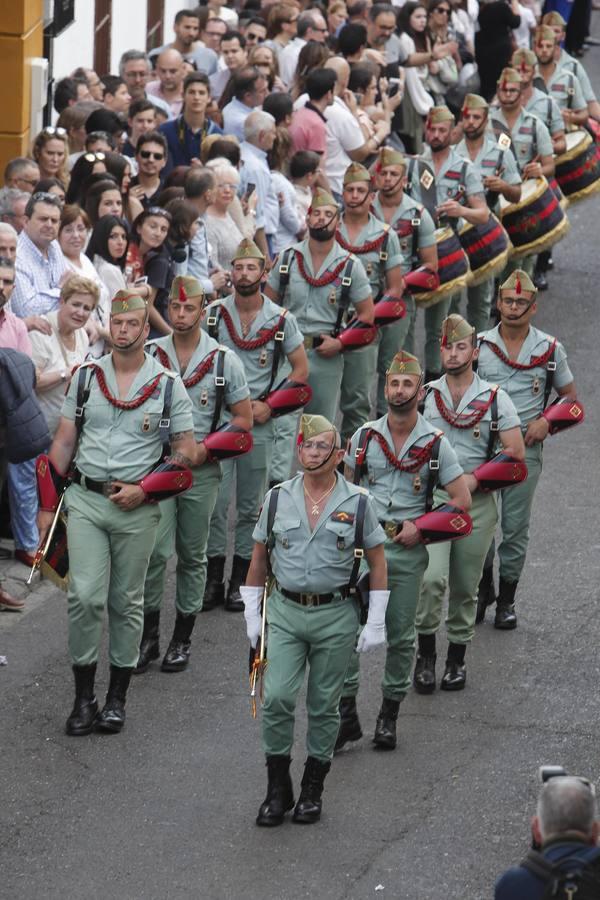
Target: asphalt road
{"type": "Point", "coordinates": [166, 809]}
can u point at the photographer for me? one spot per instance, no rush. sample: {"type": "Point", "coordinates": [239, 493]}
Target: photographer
{"type": "Point", "coordinates": [566, 831]}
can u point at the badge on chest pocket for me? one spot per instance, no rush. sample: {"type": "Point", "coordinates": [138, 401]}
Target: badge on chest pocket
{"type": "Point", "coordinates": [146, 423]}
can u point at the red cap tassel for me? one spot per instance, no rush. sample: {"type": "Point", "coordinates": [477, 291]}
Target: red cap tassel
{"type": "Point", "coordinates": [182, 294]}
{"type": "Point", "coordinates": [518, 287]}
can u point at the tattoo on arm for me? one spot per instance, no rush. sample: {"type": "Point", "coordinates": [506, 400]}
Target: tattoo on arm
{"type": "Point", "coordinates": [181, 436]}
{"type": "Point", "coordinates": [180, 458]}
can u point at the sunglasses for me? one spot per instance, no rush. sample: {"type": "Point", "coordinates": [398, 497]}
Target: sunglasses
{"type": "Point", "coordinates": [148, 154]}
{"type": "Point", "coordinates": [50, 129]}
{"type": "Point", "coordinates": [95, 157]}
{"type": "Point", "coordinates": [443, 10]}
{"type": "Point", "coordinates": [45, 196]}
{"type": "Point", "coordinates": [158, 211]}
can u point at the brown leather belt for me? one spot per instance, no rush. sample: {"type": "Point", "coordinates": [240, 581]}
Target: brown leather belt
{"type": "Point", "coordinates": [308, 599]}
{"type": "Point", "coordinates": [311, 342]}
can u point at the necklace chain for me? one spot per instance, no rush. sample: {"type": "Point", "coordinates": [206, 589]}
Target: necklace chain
{"type": "Point", "coordinates": [316, 503]}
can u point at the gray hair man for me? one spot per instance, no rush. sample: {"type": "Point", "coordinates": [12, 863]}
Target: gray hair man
{"type": "Point", "coordinates": [259, 135]}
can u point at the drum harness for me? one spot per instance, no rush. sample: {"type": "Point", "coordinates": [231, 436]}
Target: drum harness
{"type": "Point", "coordinates": [286, 259]}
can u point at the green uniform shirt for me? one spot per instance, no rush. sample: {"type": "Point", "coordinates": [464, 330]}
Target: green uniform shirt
{"type": "Point", "coordinates": [564, 87]}
{"type": "Point", "coordinates": [529, 137]}
{"type": "Point", "coordinates": [375, 267]}
{"type": "Point", "coordinates": [457, 179]}
{"type": "Point", "coordinates": [316, 561]}
{"type": "Point", "coordinates": [565, 61]}
{"type": "Point", "coordinates": [203, 394]}
{"type": "Point", "coordinates": [470, 444]}
{"type": "Point", "coordinates": [402, 495]}
{"type": "Point", "coordinates": [257, 363]}
{"type": "Point", "coordinates": [490, 157]}
{"type": "Point", "coordinates": [316, 308]}
{"type": "Point", "coordinates": [125, 444]}
{"type": "Point", "coordinates": [409, 215]}
{"type": "Point", "coordinates": [547, 109]}
{"type": "Point", "coordinates": [525, 387]}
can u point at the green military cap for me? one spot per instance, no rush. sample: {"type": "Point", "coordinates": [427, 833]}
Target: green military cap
{"type": "Point", "coordinates": [554, 18]}
{"type": "Point", "coordinates": [439, 114]}
{"type": "Point", "coordinates": [509, 75]}
{"type": "Point", "coordinates": [523, 57]}
{"type": "Point", "coordinates": [313, 426]}
{"type": "Point", "coordinates": [455, 328]}
{"type": "Point", "coordinates": [125, 301]}
{"type": "Point", "coordinates": [544, 33]}
{"type": "Point", "coordinates": [389, 157]}
{"type": "Point", "coordinates": [404, 363]}
{"type": "Point", "coordinates": [247, 249]}
{"type": "Point", "coordinates": [184, 286]}
{"type": "Point", "coordinates": [321, 198]}
{"type": "Point", "coordinates": [519, 281]}
{"type": "Point", "coordinates": [474, 101]}
{"type": "Point", "coordinates": [355, 173]}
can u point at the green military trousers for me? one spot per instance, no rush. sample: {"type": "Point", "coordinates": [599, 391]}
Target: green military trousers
{"type": "Point", "coordinates": [526, 263]}
{"type": "Point", "coordinates": [390, 340]}
{"type": "Point", "coordinates": [109, 551]}
{"type": "Point", "coordinates": [405, 574]}
{"type": "Point", "coordinates": [251, 472]}
{"type": "Point", "coordinates": [355, 391]}
{"type": "Point", "coordinates": [324, 637]}
{"type": "Point", "coordinates": [515, 514]}
{"type": "Point", "coordinates": [457, 566]}
{"type": "Point", "coordinates": [285, 429]}
{"type": "Point", "coordinates": [183, 528]}
{"type": "Point", "coordinates": [325, 378]}
{"type": "Point", "coordinates": [479, 302]}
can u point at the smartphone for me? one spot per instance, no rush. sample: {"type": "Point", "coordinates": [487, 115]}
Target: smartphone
{"type": "Point", "coordinates": [142, 280]}
{"type": "Point", "coordinates": [249, 191]}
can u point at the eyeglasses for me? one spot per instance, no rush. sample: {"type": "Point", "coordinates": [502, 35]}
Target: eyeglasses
{"type": "Point", "coordinates": [443, 10]}
{"type": "Point", "coordinates": [50, 129]}
{"type": "Point", "coordinates": [512, 301]}
{"type": "Point", "coordinates": [95, 157]}
{"type": "Point", "coordinates": [148, 154]}
{"type": "Point", "coordinates": [319, 446]}
{"type": "Point", "coordinates": [227, 186]}
{"type": "Point", "coordinates": [158, 211]}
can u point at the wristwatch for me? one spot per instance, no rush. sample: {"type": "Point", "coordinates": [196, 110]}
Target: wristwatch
{"type": "Point", "coordinates": [63, 375]}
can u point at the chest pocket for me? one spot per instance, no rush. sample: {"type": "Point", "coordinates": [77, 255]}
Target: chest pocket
{"type": "Point", "coordinates": [143, 422]}
{"type": "Point", "coordinates": [341, 532]}
{"type": "Point", "coordinates": [286, 530]}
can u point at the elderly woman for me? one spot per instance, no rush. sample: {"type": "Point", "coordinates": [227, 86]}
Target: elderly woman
{"type": "Point", "coordinates": [51, 152]}
{"type": "Point", "coordinates": [223, 234]}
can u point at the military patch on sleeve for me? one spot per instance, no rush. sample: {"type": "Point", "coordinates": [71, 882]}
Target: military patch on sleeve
{"type": "Point", "coordinates": [341, 516]}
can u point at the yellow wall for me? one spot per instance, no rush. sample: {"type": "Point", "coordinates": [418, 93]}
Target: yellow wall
{"type": "Point", "coordinates": [21, 38]}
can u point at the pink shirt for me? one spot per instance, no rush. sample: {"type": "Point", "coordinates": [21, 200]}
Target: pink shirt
{"type": "Point", "coordinates": [308, 131]}
{"type": "Point", "coordinates": [13, 332]}
{"type": "Point", "coordinates": [153, 89]}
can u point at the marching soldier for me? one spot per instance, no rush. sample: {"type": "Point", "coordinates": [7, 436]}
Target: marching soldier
{"type": "Point", "coordinates": [377, 247]}
{"type": "Point", "coordinates": [473, 415]}
{"type": "Point", "coordinates": [565, 61]}
{"type": "Point", "coordinates": [459, 197]}
{"type": "Point", "coordinates": [400, 458]}
{"type": "Point", "coordinates": [416, 232]}
{"type": "Point", "coordinates": [216, 383]}
{"type": "Point", "coordinates": [312, 524]}
{"type": "Point", "coordinates": [263, 335]}
{"type": "Point", "coordinates": [558, 83]}
{"type": "Point", "coordinates": [119, 413]}
{"type": "Point", "coordinates": [498, 171]}
{"type": "Point", "coordinates": [528, 364]}
{"type": "Point", "coordinates": [320, 281]}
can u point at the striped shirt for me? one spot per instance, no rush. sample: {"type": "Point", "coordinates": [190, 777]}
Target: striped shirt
{"type": "Point", "coordinates": [37, 278]}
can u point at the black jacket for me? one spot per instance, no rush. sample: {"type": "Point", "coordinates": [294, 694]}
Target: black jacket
{"type": "Point", "coordinates": [26, 431]}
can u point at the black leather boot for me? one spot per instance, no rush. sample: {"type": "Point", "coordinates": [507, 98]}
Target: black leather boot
{"type": "Point", "coordinates": [350, 729]}
{"type": "Point", "coordinates": [149, 648]}
{"type": "Point", "coordinates": [239, 570]}
{"type": "Point", "coordinates": [486, 594]}
{"type": "Point", "coordinates": [506, 618]}
{"type": "Point", "coordinates": [214, 591]}
{"type": "Point", "coordinates": [424, 674]}
{"type": "Point", "coordinates": [308, 807]}
{"type": "Point", "coordinates": [112, 717]}
{"type": "Point", "coordinates": [455, 674]}
{"type": "Point", "coordinates": [280, 793]}
{"type": "Point", "coordinates": [81, 720]}
{"type": "Point", "coordinates": [178, 652]}
{"type": "Point", "coordinates": [385, 727]}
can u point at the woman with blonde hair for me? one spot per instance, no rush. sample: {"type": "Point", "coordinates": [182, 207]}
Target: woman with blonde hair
{"type": "Point", "coordinates": [223, 234]}
{"type": "Point", "coordinates": [50, 150]}
{"type": "Point", "coordinates": [265, 60]}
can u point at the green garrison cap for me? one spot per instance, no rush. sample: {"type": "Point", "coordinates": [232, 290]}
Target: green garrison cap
{"type": "Point", "coordinates": [389, 157]}
{"type": "Point", "coordinates": [184, 286]}
{"type": "Point", "coordinates": [124, 301]}
{"type": "Point", "coordinates": [554, 18]}
{"type": "Point", "coordinates": [544, 33]}
{"type": "Point", "coordinates": [439, 114]}
{"type": "Point", "coordinates": [321, 198]}
{"type": "Point", "coordinates": [247, 249]}
{"type": "Point", "coordinates": [356, 172]}
{"type": "Point", "coordinates": [404, 363]}
{"type": "Point", "coordinates": [475, 101]}
{"type": "Point", "coordinates": [519, 281]}
{"type": "Point", "coordinates": [454, 329]}
{"type": "Point", "coordinates": [523, 57]}
{"type": "Point", "coordinates": [312, 426]}
{"type": "Point", "coordinates": [509, 75]}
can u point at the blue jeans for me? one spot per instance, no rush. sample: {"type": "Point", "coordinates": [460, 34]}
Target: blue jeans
{"type": "Point", "coordinates": [22, 493]}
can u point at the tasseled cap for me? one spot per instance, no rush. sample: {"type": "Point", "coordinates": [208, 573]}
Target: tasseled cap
{"type": "Point", "coordinates": [474, 101]}
{"type": "Point", "coordinates": [544, 33]}
{"type": "Point", "coordinates": [555, 19]}
{"type": "Point", "coordinates": [389, 157]}
{"type": "Point", "coordinates": [125, 301]}
{"type": "Point", "coordinates": [184, 286]}
{"type": "Point", "coordinates": [455, 328]}
{"type": "Point", "coordinates": [247, 249]}
{"type": "Point", "coordinates": [519, 281]}
{"type": "Point", "coordinates": [522, 58]}
{"type": "Point", "coordinates": [509, 75]}
{"type": "Point", "coordinates": [404, 363]}
{"type": "Point", "coordinates": [321, 198]}
{"type": "Point", "coordinates": [355, 173]}
{"type": "Point", "coordinates": [438, 114]}
{"type": "Point", "coordinates": [313, 426]}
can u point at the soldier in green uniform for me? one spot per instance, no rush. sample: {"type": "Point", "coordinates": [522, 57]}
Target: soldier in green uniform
{"type": "Point", "coordinates": [467, 408]}
{"type": "Point", "coordinates": [400, 456]}
{"type": "Point", "coordinates": [500, 176]}
{"type": "Point", "coordinates": [565, 61]}
{"type": "Point", "coordinates": [318, 280]}
{"type": "Point", "coordinates": [528, 364]}
{"type": "Point", "coordinates": [311, 617]}
{"type": "Point", "coordinates": [122, 407]}
{"type": "Point", "coordinates": [263, 335]}
{"type": "Point", "coordinates": [560, 84]}
{"type": "Point", "coordinates": [216, 384]}
{"type": "Point", "coordinates": [378, 248]}
{"type": "Point", "coordinates": [459, 198]}
{"type": "Point", "coordinates": [416, 232]}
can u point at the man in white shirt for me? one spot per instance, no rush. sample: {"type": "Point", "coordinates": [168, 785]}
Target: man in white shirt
{"type": "Point", "coordinates": [311, 27]}
{"type": "Point", "coordinates": [259, 136]}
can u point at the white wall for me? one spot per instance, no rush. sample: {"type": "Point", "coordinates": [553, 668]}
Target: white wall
{"type": "Point", "coordinates": [128, 29]}
{"type": "Point", "coordinates": [75, 46]}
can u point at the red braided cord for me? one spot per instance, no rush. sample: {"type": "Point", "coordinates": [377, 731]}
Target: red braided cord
{"type": "Point", "coordinates": [535, 361]}
{"type": "Point", "coordinates": [325, 279]}
{"type": "Point", "coordinates": [256, 342]}
{"type": "Point", "coordinates": [125, 404]}
{"type": "Point", "coordinates": [199, 372]}
{"type": "Point", "coordinates": [461, 420]}
{"type": "Point", "coordinates": [367, 247]}
{"type": "Point", "coordinates": [421, 455]}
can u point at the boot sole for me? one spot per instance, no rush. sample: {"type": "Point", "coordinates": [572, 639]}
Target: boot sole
{"type": "Point", "coordinates": [305, 820]}
{"type": "Point", "coordinates": [272, 822]}
{"type": "Point", "coordinates": [509, 627]}
{"type": "Point", "coordinates": [424, 689]}
{"type": "Point", "coordinates": [453, 687]}
{"type": "Point", "coordinates": [348, 739]}
{"type": "Point", "coordinates": [173, 668]}
{"type": "Point", "coordinates": [80, 732]}
{"type": "Point", "coordinates": [108, 728]}
{"type": "Point", "coordinates": [383, 745]}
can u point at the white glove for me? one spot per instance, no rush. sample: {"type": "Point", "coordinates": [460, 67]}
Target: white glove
{"type": "Point", "coordinates": [373, 634]}
{"type": "Point", "coordinates": [251, 597]}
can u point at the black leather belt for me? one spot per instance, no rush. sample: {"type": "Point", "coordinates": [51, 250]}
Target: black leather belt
{"type": "Point", "coordinates": [311, 342]}
{"type": "Point", "coordinates": [96, 487]}
{"type": "Point", "coordinates": [391, 528]}
{"type": "Point", "coordinates": [313, 599]}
